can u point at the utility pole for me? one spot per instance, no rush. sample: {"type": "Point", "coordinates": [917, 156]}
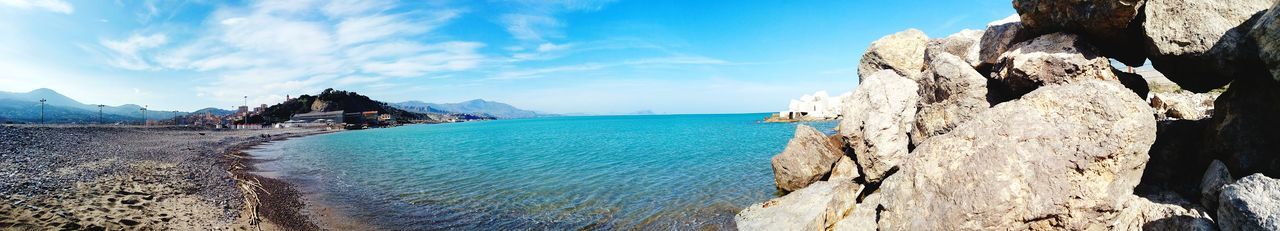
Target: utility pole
{"type": "Point", "coordinates": [100, 113]}
{"type": "Point", "coordinates": [42, 110]}
{"type": "Point", "coordinates": [144, 115]}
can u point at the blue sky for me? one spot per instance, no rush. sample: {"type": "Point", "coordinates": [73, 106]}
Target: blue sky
{"type": "Point", "coordinates": [564, 56]}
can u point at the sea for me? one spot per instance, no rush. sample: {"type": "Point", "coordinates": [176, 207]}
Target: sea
{"type": "Point", "coordinates": [651, 172]}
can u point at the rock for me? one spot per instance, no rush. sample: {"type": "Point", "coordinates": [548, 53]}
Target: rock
{"type": "Point", "coordinates": [1163, 212]}
{"type": "Point", "coordinates": [878, 120]}
{"type": "Point", "coordinates": [1211, 184]}
{"type": "Point", "coordinates": [861, 218]}
{"type": "Point", "coordinates": [1109, 24]}
{"type": "Point", "coordinates": [1244, 130]}
{"type": "Point", "coordinates": [844, 202]}
{"type": "Point", "coordinates": [844, 170]}
{"type": "Point", "coordinates": [1061, 157]}
{"type": "Point", "coordinates": [1177, 161]}
{"type": "Point", "coordinates": [807, 159]}
{"type": "Point", "coordinates": [963, 44]}
{"type": "Point", "coordinates": [1266, 33]}
{"type": "Point", "coordinates": [951, 92]}
{"type": "Point", "coordinates": [804, 209]}
{"type": "Point", "coordinates": [1202, 44]}
{"type": "Point", "coordinates": [902, 52]}
{"type": "Point", "coordinates": [1134, 82]}
{"type": "Point", "coordinates": [1183, 105]}
{"type": "Point", "coordinates": [1252, 203]}
{"type": "Point", "coordinates": [998, 38]}
{"type": "Point", "coordinates": [1050, 59]}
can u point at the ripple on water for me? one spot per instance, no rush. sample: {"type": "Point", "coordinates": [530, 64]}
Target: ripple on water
{"type": "Point", "coordinates": [609, 172]}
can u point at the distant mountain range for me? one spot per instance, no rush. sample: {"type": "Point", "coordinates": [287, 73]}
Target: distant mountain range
{"type": "Point", "coordinates": [476, 107]}
{"type": "Point", "coordinates": [24, 107]}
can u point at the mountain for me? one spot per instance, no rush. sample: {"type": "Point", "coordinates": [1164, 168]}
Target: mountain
{"type": "Point", "coordinates": [332, 100]}
{"type": "Point", "coordinates": [214, 111]}
{"type": "Point", "coordinates": [476, 106]}
{"type": "Point", "coordinates": [19, 111]}
{"type": "Point", "coordinates": [54, 99]}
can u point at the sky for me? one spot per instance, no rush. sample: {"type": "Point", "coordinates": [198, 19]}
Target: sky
{"type": "Point", "coordinates": [556, 56]}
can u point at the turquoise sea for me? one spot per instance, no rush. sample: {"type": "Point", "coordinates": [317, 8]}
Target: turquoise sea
{"type": "Point", "coordinates": [600, 172]}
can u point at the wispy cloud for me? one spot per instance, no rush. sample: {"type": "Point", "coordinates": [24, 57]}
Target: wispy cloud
{"type": "Point", "coordinates": [58, 6]}
{"type": "Point", "coordinates": [635, 63]}
{"type": "Point", "coordinates": [537, 22]}
{"type": "Point", "coordinates": [269, 48]}
{"type": "Point", "coordinates": [127, 53]}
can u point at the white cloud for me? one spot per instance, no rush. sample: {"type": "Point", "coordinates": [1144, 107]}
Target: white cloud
{"type": "Point", "coordinates": [127, 53]}
{"type": "Point", "coordinates": [272, 48]}
{"type": "Point", "coordinates": [637, 63]}
{"type": "Point", "coordinates": [58, 6]}
{"type": "Point", "coordinates": [532, 27]}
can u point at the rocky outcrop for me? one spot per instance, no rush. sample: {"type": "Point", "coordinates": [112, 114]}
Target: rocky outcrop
{"type": "Point", "coordinates": [818, 106]}
{"type": "Point", "coordinates": [1252, 203]}
{"type": "Point", "coordinates": [1211, 184]}
{"type": "Point", "coordinates": [1183, 105]}
{"type": "Point", "coordinates": [804, 209]}
{"type": "Point", "coordinates": [951, 92]}
{"type": "Point", "coordinates": [1266, 32]}
{"type": "Point", "coordinates": [1202, 44]}
{"type": "Point", "coordinates": [902, 52]}
{"type": "Point", "coordinates": [1050, 59]}
{"type": "Point", "coordinates": [1177, 162]}
{"type": "Point", "coordinates": [1161, 212]}
{"type": "Point", "coordinates": [1244, 130]}
{"type": "Point", "coordinates": [1060, 157]}
{"type": "Point", "coordinates": [878, 120]}
{"type": "Point", "coordinates": [1107, 23]}
{"type": "Point", "coordinates": [807, 159]}
{"type": "Point", "coordinates": [963, 44]}
{"type": "Point", "coordinates": [862, 217]}
{"type": "Point", "coordinates": [998, 38]}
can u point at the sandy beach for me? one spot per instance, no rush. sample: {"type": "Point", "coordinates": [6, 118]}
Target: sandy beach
{"type": "Point", "coordinates": [115, 178]}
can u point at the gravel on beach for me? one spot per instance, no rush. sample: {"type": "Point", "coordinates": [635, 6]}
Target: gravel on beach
{"type": "Point", "coordinates": [91, 177]}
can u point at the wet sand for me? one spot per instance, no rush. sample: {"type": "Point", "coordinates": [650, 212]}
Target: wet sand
{"type": "Point", "coordinates": [100, 177]}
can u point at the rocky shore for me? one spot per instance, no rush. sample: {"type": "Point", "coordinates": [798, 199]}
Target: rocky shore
{"type": "Point", "coordinates": [108, 177]}
{"type": "Point", "coordinates": [1028, 126]}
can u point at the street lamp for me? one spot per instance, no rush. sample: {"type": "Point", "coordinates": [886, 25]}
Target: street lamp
{"type": "Point", "coordinates": [42, 110]}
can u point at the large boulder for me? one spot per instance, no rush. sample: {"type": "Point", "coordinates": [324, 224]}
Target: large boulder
{"type": "Point", "coordinates": [901, 52]}
{"type": "Point", "coordinates": [1165, 211]}
{"type": "Point", "coordinates": [998, 38]}
{"type": "Point", "coordinates": [963, 44]}
{"type": "Point", "coordinates": [1134, 81]}
{"type": "Point", "coordinates": [1215, 178]}
{"type": "Point", "coordinates": [862, 217]}
{"type": "Point", "coordinates": [1244, 129]}
{"type": "Point", "coordinates": [1252, 203]}
{"type": "Point", "coordinates": [1202, 44]}
{"type": "Point", "coordinates": [1056, 58]}
{"type": "Point", "coordinates": [808, 158]}
{"type": "Point", "coordinates": [878, 121]}
{"type": "Point", "coordinates": [1266, 32]}
{"type": "Point", "coordinates": [1061, 157]}
{"type": "Point", "coordinates": [1110, 24]}
{"type": "Point", "coordinates": [804, 209]}
{"type": "Point", "coordinates": [951, 92]}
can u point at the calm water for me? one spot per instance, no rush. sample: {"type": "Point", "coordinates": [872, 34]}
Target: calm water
{"type": "Point", "coordinates": [606, 172]}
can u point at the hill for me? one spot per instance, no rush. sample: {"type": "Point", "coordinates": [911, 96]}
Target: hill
{"type": "Point", "coordinates": [476, 107]}
{"type": "Point", "coordinates": [332, 100]}
{"type": "Point", "coordinates": [19, 106]}
{"type": "Point", "coordinates": [214, 111]}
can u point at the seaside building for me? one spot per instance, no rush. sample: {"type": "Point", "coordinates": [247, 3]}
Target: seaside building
{"type": "Point", "coordinates": [818, 106]}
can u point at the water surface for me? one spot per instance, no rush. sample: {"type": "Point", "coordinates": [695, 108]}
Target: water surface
{"type": "Point", "coordinates": [603, 172]}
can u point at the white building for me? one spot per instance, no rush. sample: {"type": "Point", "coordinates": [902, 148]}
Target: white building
{"type": "Point", "coordinates": [818, 106]}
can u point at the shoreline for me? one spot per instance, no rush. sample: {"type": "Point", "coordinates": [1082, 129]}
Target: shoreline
{"type": "Point", "coordinates": [125, 177]}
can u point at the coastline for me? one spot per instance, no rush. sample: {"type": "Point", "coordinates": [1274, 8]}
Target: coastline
{"type": "Point", "coordinates": [278, 204]}
{"type": "Point", "coordinates": [122, 177]}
